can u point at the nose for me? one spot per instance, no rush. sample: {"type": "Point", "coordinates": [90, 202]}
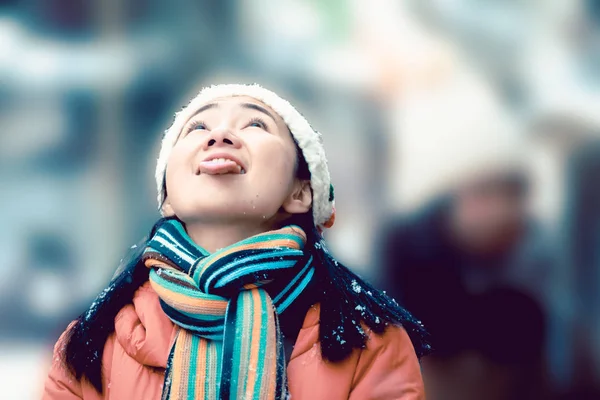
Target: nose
{"type": "Point", "coordinates": [222, 137]}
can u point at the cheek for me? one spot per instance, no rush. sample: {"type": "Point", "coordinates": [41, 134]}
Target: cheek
{"type": "Point", "coordinates": [278, 166]}
{"type": "Point", "coordinates": [185, 147]}
{"type": "Point", "coordinates": [173, 165]}
{"type": "Point", "coordinates": [179, 159]}
{"type": "Point", "coordinates": [273, 173]}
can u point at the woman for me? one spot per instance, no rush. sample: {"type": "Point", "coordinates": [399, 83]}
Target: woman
{"type": "Point", "coordinates": [234, 294]}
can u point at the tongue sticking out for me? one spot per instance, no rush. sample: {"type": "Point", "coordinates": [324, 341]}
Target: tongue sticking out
{"type": "Point", "coordinates": [220, 167]}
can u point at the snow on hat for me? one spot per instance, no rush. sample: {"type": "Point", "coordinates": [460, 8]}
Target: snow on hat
{"type": "Point", "coordinates": [308, 140]}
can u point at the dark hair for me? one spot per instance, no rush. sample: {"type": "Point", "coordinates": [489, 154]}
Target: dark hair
{"type": "Point", "coordinates": [346, 302]}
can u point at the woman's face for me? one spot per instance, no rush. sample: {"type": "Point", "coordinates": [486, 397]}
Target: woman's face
{"type": "Point", "coordinates": [235, 161]}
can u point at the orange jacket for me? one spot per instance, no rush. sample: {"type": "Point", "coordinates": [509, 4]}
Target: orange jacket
{"type": "Point", "coordinates": [135, 357]}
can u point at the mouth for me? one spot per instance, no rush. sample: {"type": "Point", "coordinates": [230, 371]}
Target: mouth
{"type": "Point", "coordinates": [220, 164]}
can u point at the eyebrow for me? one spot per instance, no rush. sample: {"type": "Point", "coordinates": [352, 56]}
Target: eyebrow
{"type": "Point", "coordinates": [206, 107]}
{"type": "Point", "coordinates": [251, 106]}
{"type": "Point", "coordinates": [256, 107]}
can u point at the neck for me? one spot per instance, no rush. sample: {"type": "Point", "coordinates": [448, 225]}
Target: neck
{"type": "Point", "coordinates": [213, 237]}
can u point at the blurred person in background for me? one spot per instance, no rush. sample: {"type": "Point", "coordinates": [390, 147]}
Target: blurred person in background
{"type": "Point", "coordinates": [261, 310]}
{"type": "Point", "coordinates": [469, 259]}
{"type": "Point", "coordinates": [467, 265]}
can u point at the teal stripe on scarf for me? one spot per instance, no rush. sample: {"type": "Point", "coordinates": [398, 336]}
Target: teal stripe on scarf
{"type": "Point", "coordinates": [166, 277]}
{"type": "Point", "coordinates": [188, 243]}
{"type": "Point", "coordinates": [175, 287]}
{"type": "Point", "coordinates": [246, 271]}
{"type": "Point", "coordinates": [268, 237]}
{"type": "Point", "coordinates": [218, 350]}
{"type": "Point", "coordinates": [191, 390]}
{"type": "Point", "coordinates": [293, 282]}
{"type": "Point", "coordinates": [262, 340]}
{"type": "Point", "coordinates": [237, 267]}
{"type": "Point", "coordinates": [296, 292]}
{"type": "Point", "coordinates": [243, 330]}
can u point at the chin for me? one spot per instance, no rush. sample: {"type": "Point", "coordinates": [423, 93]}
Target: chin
{"type": "Point", "coordinates": [228, 214]}
{"type": "Point", "coordinates": [216, 210]}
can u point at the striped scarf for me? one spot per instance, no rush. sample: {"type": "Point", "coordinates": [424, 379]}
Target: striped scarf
{"type": "Point", "coordinates": [229, 344]}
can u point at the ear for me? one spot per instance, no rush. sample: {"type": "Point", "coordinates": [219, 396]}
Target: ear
{"type": "Point", "coordinates": [167, 209]}
{"type": "Point", "coordinates": [299, 200]}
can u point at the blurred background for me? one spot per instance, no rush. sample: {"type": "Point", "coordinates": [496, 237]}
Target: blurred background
{"type": "Point", "coordinates": [463, 138]}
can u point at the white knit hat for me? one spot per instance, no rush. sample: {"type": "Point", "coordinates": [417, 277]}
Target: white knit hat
{"type": "Point", "coordinates": [307, 138]}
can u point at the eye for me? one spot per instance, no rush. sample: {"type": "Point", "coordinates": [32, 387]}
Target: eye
{"type": "Point", "coordinates": [257, 123]}
{"type": "Point", "coordinates": [198, 126]}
